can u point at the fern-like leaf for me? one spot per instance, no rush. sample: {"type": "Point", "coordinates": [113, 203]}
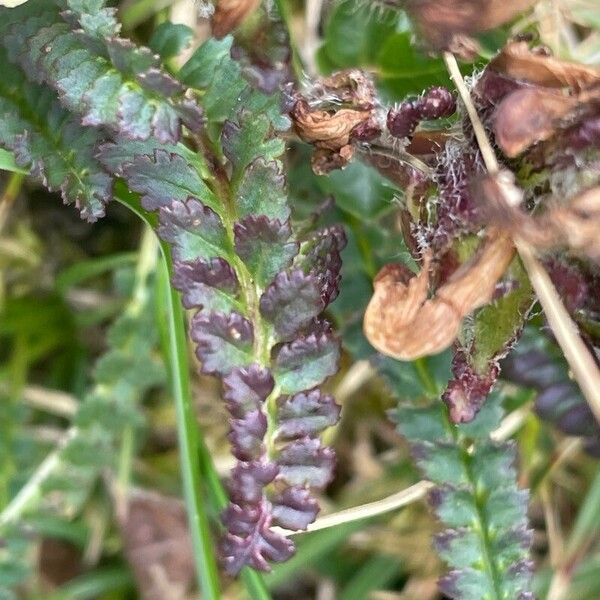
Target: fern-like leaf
{"type": "Point", "coordinates": [106, 79]}
{"type": "Point", "coordinates": [238, 263]}
{"type": "Point", "coordinates": [477, 498]}
{"type": "Point", "coordinates": [51, 143]}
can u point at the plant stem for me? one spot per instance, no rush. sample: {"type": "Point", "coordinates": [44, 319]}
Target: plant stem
{"type": "Point", "coordinates": [187, 432]}
{"type": "Point", "coordinates": [9, 196]}
{"type": "Point", "coordinates": [196, 462]}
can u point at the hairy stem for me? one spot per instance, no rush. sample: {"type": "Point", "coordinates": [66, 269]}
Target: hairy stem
{"type": "Point", "coordinates": [578, 356]}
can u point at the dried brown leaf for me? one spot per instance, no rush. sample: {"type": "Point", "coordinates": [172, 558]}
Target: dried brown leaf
{"type": "Point", "coordinates": [573, 225]}
{"type": "Point", "coordinates": [445, 21]}
{"type": "Point", "coordinates": [401, 322]}
{"type": "Point", "coordinates": [350, 86]}
{"type": "Point", "coordinates": [230, 13]}
{"type": "Point", "coordinates": [528, 116]}
{"type": "Point", "coordinates": [518, 62]}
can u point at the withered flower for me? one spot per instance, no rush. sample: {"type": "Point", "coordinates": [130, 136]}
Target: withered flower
{"type": "Point", "coordinates": [402, 322]}
{"type": "Point", "coordinates": [329, 132]}
{"type": "Point", "coordinates": [230, 13]}
{"type": "Point", "coordinates": [350, 87]}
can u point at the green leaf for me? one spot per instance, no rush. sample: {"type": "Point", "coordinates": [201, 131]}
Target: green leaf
{"type": "Point", "coordinates": [306, 362]}
{"type": "Point", "coordinates": [170, 39]}
{"type": "Point", "coordinates": [7, 163]}
{"type": "Point", "coordinates": [354, 35]}
{"type": "Point", "coordinates": [199, 70]}
{"type": "Point", "coordinates": [499, 322]}
{"type": "Point", "coordinates": [51, 144]}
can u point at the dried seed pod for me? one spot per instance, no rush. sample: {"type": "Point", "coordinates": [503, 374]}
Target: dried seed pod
{"type": "Point", "coordinates": [401, 322]}
{"type": "Point", "coordinates": [329, 132]}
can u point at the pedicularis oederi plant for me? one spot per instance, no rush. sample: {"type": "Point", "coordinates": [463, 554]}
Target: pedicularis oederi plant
{"type": "Point", "coordinates": [492, 203]}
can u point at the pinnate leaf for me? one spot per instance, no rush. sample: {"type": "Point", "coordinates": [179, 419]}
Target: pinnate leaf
{"type": "Point", "coordinates": [52, 144]}
{"type": "Point", "coordinates": [294, 508]}
{"type": "Point", "coordinates": [210, 284]}
{"type": "Point", "coordinates": [247, 388]}
{"type": "Point", "coordinates": [306, 362]}
{"type": "Point", "coordinates": [305, 414]}
{"type": "Point", "coordinates": [265, 246]}
{"type": "Point", "coordinates": [164, 177]}
{"type": "Point", "coordinates": [194, 230]}
{"type": "Point", "coordinates": [306, 462]}
{"type": "Point", "coordinates": [291, 302]}
{"type": "Point", "coordinates": [251, 541]}
{"type": "Point", "coordinates": [224, 342]}
{"type": "Point", "coordinates": [261, 191]}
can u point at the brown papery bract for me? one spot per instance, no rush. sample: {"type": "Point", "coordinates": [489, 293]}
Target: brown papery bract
{"type": "Point", "coordinates": [229, 14]}
{"type": "Point", "coordinates": [402, 322]}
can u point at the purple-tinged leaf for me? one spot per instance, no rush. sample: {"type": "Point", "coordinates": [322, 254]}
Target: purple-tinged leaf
{"type": "Point", "coordinates": [246, 435]}
{"type": "Point", "coordinates": [265, 246]}
{"type": "Point", "coordinates": [160, 82]}
{"type": "Point", "coordinates": [116, 154]}
{"type": "Point", "coordinates": [458, 546]}
{"type": "Point", "coordinates": [165, 124]}
{"type": "Point", "coordinates": [191, 115]}
{"type": "Point", "coordinates": [165, 177]}
{"type": "Point", "coordinates": [248, 480]}
{"type": "Point", "coordinates": [52, 145]}
{"type": "Point", "coordinates": [306, 462]}
{"type": "Point", "coordinates": [467, 583]}
{"type": "Point", "coordinates": [467, 392]}
{"type": "Point", "coordinates": [262, 191]}
{"type": "Point", "coordinates": [306, 362]}
{"type": "Point", "coordinates": [224, 341]}
{"type": "Point", "coordinates": [578, 420]}
{"type": "Point", "coordinates": [254, 543]}
{"type": "Point", "coordinates": [242, 144]}
{"type": "Point", "coordinates": [129, 58]}
{"type": "Point", "coordinates": [246, 389]}
{"type": "Point", "coordinates": [320, 256]}
{"type": "Point", "coordinates": [194, 230]}
{"type": "Point", "coordinates": [306, 414]}
{"type": "Point", "coordinates": [290, 302]}
{"type": "Point", "coordinates": [209, 284]}
{"type": "Point", "coordinates": [135, 115]}
{"type": "Point", "coordinates": [554, 400]}
{"type": "Point", "coordinates": [102, 100]}
{"type": "Point", "coordinates": [294, 508]}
